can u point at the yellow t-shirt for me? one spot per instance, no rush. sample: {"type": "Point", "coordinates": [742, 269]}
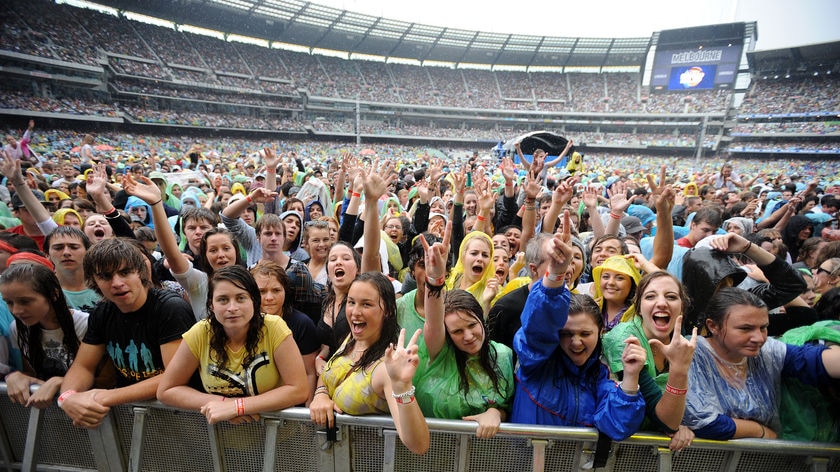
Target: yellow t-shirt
{"type": "Point", "coordinates": [236, 379]}
{"type": "Point", "coordinates": [353, 392]}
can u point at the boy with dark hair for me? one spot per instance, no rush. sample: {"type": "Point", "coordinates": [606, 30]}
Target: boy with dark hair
{"type": "Point", "coordinates": [139, 328]}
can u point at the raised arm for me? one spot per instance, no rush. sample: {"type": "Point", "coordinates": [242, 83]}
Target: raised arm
{"type": "Point", "coordinates": [375, 186]}
{"type": "Point", "coordinates": [147, 191]}
{"type": "Point", "coordinates": [559, 158]}
{"type": "Point", "coordinates": [434, 329]}
{"type": "Point", "coordinates": [618, 205]}
{"type": "Point", "coordinates": [590, 201]}
{"type": "Point", "coordinates": [663, 241]}
{"type": "Point", "coordinates": [525, 164]}
{"type": "Point", "coordinates": [11, 169]}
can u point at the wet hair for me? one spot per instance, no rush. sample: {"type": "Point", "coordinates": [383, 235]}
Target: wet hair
{"type": "Point", "coordinates": [464, 303]}
{"type": "Point", "coordinates": [390, 328]}
{"type": "Point", "coordinates": [650, 277]}
{"type": "Point", "coordinates": [330, 299]}
{"type": "Point", "coordinates": [273, 269]}
{"type": "Point", "coordinates": [44, 282]}
{"type": "Point", "coordinates": [828, 306]}
{"type": "Point", "coordinates": [19, 241]}
{"type": "Point", "coordinates": [144, 233]}
{"type": "Point", "coordinates": [241, 278]}
{"type": "Point", "coordinates": [417, 253]}
{"type": "Point", "coordinates": [67, 231]}
{"type": "Point", "coordinates": [148, 255]}
{"type": "Point", "coordinates": [110, 255]}
{"type": "Point", "coordinates": [287, 205]}
{"type": "Point", "coordinates": [717, 310]}
{"type": "Point", "coordinates": [202, 248]}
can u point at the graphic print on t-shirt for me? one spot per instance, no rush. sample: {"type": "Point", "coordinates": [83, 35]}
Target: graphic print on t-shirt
{"type": "Point", "coordinates": [127, 361]}
{"type": "Point", "coordinates": [242, 383]}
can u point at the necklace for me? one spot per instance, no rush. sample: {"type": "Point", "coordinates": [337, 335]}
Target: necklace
{"type": "Point", "coordinates": [734, 373]}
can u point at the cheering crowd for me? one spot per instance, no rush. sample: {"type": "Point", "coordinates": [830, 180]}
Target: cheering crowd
{"type": "Point", "coordinates": [691, 301]}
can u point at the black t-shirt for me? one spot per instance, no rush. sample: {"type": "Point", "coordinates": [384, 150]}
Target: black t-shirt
{"type": "Point", "coordinates": [133, 340]}
{"type": "Point", "coordinates": [504, 319]}
{"type": "Point", "coordinates": [334, 335]}
{"type": "Point", "coordinates": [304, 332]}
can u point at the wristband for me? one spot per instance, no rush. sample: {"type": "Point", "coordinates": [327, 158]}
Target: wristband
{"type": "Point", "coordinates": [763, 431]}
{"type": "Point", "coordinates": [113, 209]}
{"type": "Point", "coordinates": [749, 246]}
{"type": "Point", "coordinates": [322, 358]}
{"type": "Point", "coordinates": [248, 198]}
{"type": "Point", "coordinates": [436, 282]}
{"type": "Point", "coordinates": [675, 391]}
{"type": "Point", "coordinates": [554, 277]}
{"type": "Point", "coordinates": [356, 194]}
{"type": "Point", "coordinates": [405, 398]}
{"type": "Point", "coordinates": [155, 203]}
{"type": "Point", "coordinates": [480, 218]}
{"type": "Point", "coordinates": [631, 392]}
{"type": "Point", "coordinates": [64, 396]}
{"type": "Point", "coordinates": [614, 216]}
{"type": "Point", "coordinates": [530, 207]}
{"type": "Point", "coordinates": [240, 407]}
{"type": "Point", "coordinates": [508, 184]}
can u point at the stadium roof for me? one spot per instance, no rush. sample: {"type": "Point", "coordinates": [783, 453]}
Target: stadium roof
{"type": "Point", "coordinates": [811, 59]}
{"type": "Point", "coordinates": [317, 26]}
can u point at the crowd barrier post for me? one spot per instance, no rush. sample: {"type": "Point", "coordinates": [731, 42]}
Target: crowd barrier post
{"type": "Point", "coordinates": [104, 443]}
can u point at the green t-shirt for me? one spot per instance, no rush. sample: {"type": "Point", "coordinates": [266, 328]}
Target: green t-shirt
{"type": "Point", "coordinates": [439, 385]}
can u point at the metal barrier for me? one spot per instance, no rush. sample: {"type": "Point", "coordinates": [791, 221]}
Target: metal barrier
{"type": "Point", "coordinates": [150, 436]}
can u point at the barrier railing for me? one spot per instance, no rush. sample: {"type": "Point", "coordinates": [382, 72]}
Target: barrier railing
{"type": "Point", "coordinates": [150, 436]}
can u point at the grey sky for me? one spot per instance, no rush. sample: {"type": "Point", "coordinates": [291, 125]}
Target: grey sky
{"type": "Point", "coordinates": [780, 23]}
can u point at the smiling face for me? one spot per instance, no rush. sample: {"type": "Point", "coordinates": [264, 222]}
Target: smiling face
{"type": "Point", "coordinates": [476, 259]}
{"type": "Point", "coordinates": [365, 312]}
{"type": "Point", "coordinates": [741, 334]}
{"type": "Point", "coordinates": [232, 306]}
{"type": "Point", "coordinates": [660, 306]}
{"type": "Point", "coordinates": [604, 250]}
{"type": "Point", "coordinates": [615, 286]}
{"type": "Point", "coordinates": [341, 266]}
{"type": "Point", "coordinates": [394, 229]}
{"type": "Point", "coordinates": [579, 338]}
{"type": "Point", "coordinates": [316, 211]}
{"type": "Point", "coordinates": [465, 330]}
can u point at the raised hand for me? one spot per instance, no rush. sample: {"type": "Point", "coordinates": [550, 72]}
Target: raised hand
{"type": "Point", "coordinates": [270, 158]}
{"type": "Point", "coordinates": [680, 350]}
{"type": "Point", "coordinates": [633, 358]}
{"type": "Point", "coordinates": [560, 248]}
{"type": "Point", "coordinates": [507, 169]}
{"type": "Point", "coordinates": [533, 185]}
{"type": "Point", "coordinates": [262, 195]}
{"type": "Point", "coordinates": [10, 167]}
{"type": "Point", "coordinates": [564, 192]}
{"type": "Point", "coordinates": [618, 198]}
{"type": "Point", "coordinates": [374, 183]}
{"type": "Point", "coordinates": [436, 254]}
{"type": "Point", "coordinates": [142, 188]}
{"type": "Point", "coordinates": [460, 179]}
{"type": "Point", "coordinates": [401, 361]}
{"type": "Point", "coordinates": [730, 243]}
{"type": "Point", "coordinates": [590, 197]}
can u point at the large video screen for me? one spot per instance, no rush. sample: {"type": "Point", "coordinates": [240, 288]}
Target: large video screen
{"type": "Point", "coordinates": [697, 68]}
{"type": "Point", "coordinates": [692, 78]}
